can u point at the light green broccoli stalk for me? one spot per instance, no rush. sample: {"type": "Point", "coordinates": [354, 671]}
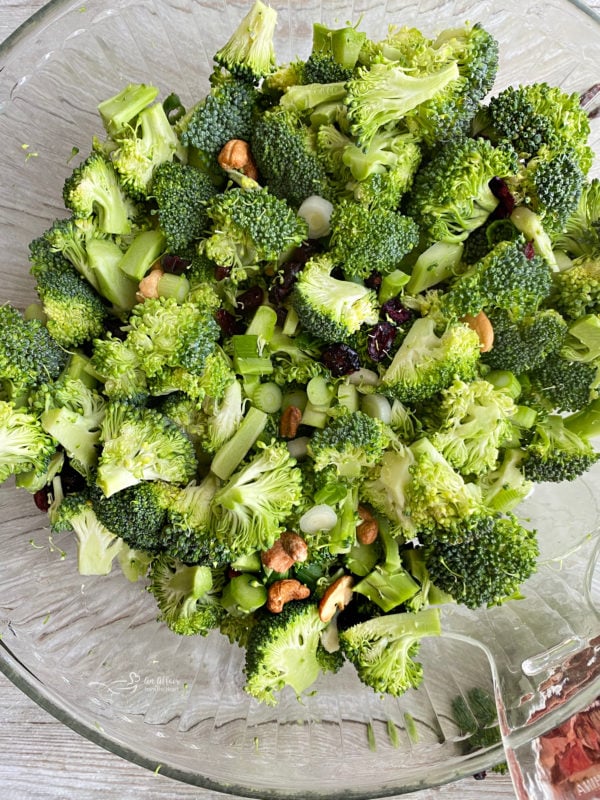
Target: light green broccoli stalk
{"type": "Point", "coordinates": [249, 53]}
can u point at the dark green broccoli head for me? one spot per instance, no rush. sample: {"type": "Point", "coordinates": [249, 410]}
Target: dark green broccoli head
{"type": "Point", "coordinates": [451, 195]}
{"type": "Point", "coordinates": [556, 453]}
{"type": "Point", "coordinates": [506, 278]}
{"type": "Point", "coordinates": [323, 68]}
{"type": "Point", "coordinates": [282, 650]}
{"type": "Point", "coordinates": [285, 152]}
{"type": "Point", "coordinates": [349, 443]}
{"type": "Point", "coordinates": [565, 385]}
{"type": "Point", "coordinates": [383, 649]}
{"type": "Point", "coordinates": [29, 354]}
{"type": "Point", "coordinates": [137, 514]}
{"type": "Point", "coordinates": [364, 239]}
{"type": "Point", "coordinates": [182, 193]}
{"type": "Point", "coordinates": [488, 566]}
{"type": "Point", "coordinates": [523, 345]}
{"type": "Point", "coordinates": [247, 227]}
{"type": "Point", "coordinates": [329, 308]}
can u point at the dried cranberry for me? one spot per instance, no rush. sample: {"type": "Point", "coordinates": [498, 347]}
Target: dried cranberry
{"type": "Point", "coordinates": [393, 310]}
{"type": "Point", "coordinates": [250, 299]}
{"type": "Point", "coordinates": [285, 278]}
{"type": "Point", "coordinates": [222, 272]}
{"type": "Point", "coordinates": [529, 250]}
{"type": "Point", "coordinates": [380, 340]}
{"type": "Point", "coordinates": [71, 480]}
{"type": "Point", "coordinates": [373, 281]}
{"type": "Point", "coordinates": [340, 359]}
{"type": "Point", "coordinates": [282, 313]}
{"type": "Point", "coordinates": [41, 499]}
{"type": "Point", "coordinates": [499, 189]}
{"type": "Point", "coordinates": [229, 325]}
{"type": "Point", "coordinates": [480, 776]}
{"type": "Point", "coordinates": [174, 264]}
{"type": "Point", "coordinates": [338, 274]}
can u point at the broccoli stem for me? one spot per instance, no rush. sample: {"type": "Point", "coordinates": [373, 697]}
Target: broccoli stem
{"type": "Point", "coordinates": [438, 263]}
{"type": "Point", "coordinates": [344, 44]}
{"type": "Point", "coordinates": [142, 253]}
{"type": "Point", "coordinates": [585, 423]}
{"type": "Point", "coordinates": [235, 449]}
{"type": "Point", "coordinates": [118, 111]}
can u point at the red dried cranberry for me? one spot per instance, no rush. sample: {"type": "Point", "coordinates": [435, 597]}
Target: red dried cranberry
{"type": "Point", "coordinates": [529, 250]}
{"type": "Point", "coordinates": [229, 325]}
{"type": "Point", "coordinates": [340, 359]}
{"type": "Point", "coordinates": [174, 264]}
{"type": "Point", "coordinates": [394, 311]}
{"type": "Point", "coordinates": [71, 480]}
{"type": "Point", "coordinates": [282, 313]}
{"type": "Point", "coordinates": [373, 281]}
{"type": "Point", "coordinates": [222, 272]}
{"type": "Point", "coordinates": [499, 188]}
{"type": "Point", "coordinates": [41, 499]}
{"type": "Point", "coordinates": [380, 340]}
{"type": "Point", "coordinates": [285, 278]}
{"type": "Point", "coordinates": [250, 299]}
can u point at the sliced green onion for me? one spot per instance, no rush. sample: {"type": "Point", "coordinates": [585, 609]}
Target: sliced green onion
{"type": "Point", "coordinates": [319, 391]}
{"type": "Point", "coordinates": [298, 448]}
{"type": "Point", "coordinates": [392, 285]}
{"type": "Point", "coordinates": [175, 286]}
{"type": "Point", "coordinates": [267, 397]}
{"type": "Point", "coordinates": [318, 518]}
{"type": "Point", "coordinates": [316, 211]}
{"type": "Point", "coordinates": [348, 396]}
{"type": "Point", "coordinates": [505, 381]}
{"type": "Point", "coordinates": [377, 406]}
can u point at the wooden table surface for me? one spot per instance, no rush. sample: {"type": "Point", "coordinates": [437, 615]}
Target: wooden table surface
{"type": "Point", "coordinates": [42, 759]}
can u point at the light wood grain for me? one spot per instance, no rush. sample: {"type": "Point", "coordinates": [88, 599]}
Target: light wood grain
{"type": "Point", "coordinates": [41, 759]}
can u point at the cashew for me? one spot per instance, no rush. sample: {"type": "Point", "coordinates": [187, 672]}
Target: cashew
{"type": "Point", "coordinates": [148, 286]}
{"type": "Point", "coordinates": [367, 530]}
{"type": "Point", "coordinates": [281, 592]}
{"type": "Point", "coordinates": [336, 597]}
{"type": "Point", "coordinates": [288, 549]}
{"type": "Point", "coordinates": [483, 328]}
{"type": "Point", "coordinates": [236, 155]}
{"type": "Point", "coordinates": [289, 422]}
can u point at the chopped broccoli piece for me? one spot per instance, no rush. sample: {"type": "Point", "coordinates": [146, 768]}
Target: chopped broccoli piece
{"type": "Point", "coordinates": [451, 196]}
{"type": "Point", "coordinates": [97, 547]}
{"type": "Point", "coordinates": [330, 308]}
{"type": "Point", "coordinates": [120, 109]}
{"type": "Point", "coordinates": [24, 444]}
{"type": "Point", "coordinates": [523, 345]}
{"type": "Point", "coordinates": [349, 443]}
{"type": "Point", "coordinates": [506, 486]}
{"type": "Point", "coordinates": [119, 368]}
{"type": "Point", "coordinates": [580, 235]}
{"type": "Point", "coordinates": [488, 566]}
{"type": "Point", "coordinates": [426, 363]}
{"type": "Point", "coordinates": [251, 507]}
{"type": "Point", "coordinates": [93, 190]}
{"type": "Point", "coordinates": [557, 453]}
{"type": "Point", "coordinates": [566, 385]}
{"type": "Point", "coordinates": [142, 444]}
{"type": "Point", "coordinates": [249, 53]}
{"type": "Point", "coordinates": [184, 598]}
{"type": "Point", "coordinates": [576, 290]}
{"type": "Point", "coordinates": [182, 193]}
{"type": "Point", "coordinates": [282, 650]}
{"type": "Point", "coordinates": [383, 649]}
{"type": "Point", "coordinates": [364, 239]}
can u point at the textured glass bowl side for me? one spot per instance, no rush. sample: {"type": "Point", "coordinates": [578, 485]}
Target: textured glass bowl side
{"type": "Point", "coordinates": [89, 650]}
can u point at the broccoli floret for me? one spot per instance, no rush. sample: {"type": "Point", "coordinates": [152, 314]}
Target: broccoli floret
{"type": "Point", "coordinates": [97, 547]}
{"type": "Point", "coordinates": [210, 384]}
{"type": "Point", "coordinates": [164, 333]}
{"type": "Point", "coordinates": [557, 453]}
{"type": "Point", "coordinates": [566, 385]}
{"type": "Point", "coordinates": [184, 598]}
{"type": "Point", "coordinates": [450, 111]}
{"type": "Point", "coordinates": [247, 227]}
{"type": "Point", "coordinates": [383, 649]}
{"type": "Point", "coordinates": [282, 651]}
{"type": "Point", "coordinates": [29, 355]}
{"type": "Point", "coordinates": [384, 93]}
{"type": "Point", "coordinates": [72, 413]}
{"type": "Point", "coordinates": [581, 233]}
{"type": "Point", "coordinates": [251, 508]}
{"type": "Point", "coordinates": [473, 421]}
{"type": "Point", "coordinates": [225, 113]}
{"type": "Point", "coordinates": [285, 152]}
{"type": "Point", "coordinates": [504, 279]}
{"type": "Point", "coordinates": [249, 53]}
{"type": "Point", "coordinates": [182, 193]}
{"type": "Point", "coordinates": [523, 345]}
{"type": "Point", "coordinates": [142, 147]}
{"type": "Point", "coordinates": [322, 68]}
{"type": "Point", "coordinates": [136, 514]}
{"type": "Point", "coordinates": [349, 443]}
{"type": "Point", "coordinates": [488, 566]}
{"type": "Point", "coordinates": [93, 190]}
{"type": "Point", "coordinates": [142, 444]}
{"type": "Point", "coordinates": [506, 486]}
{"type": "Point", "coordinates": [75, 312]}
{"type": "Point", "coordinates": [119, 368]}
{"type": "Point", "coordinates": [451, 196]}
{"type": "Point", "coordinates": [385, 488]}
{"type": "Point", "coordinates": [550, 185]}
{"type": "Point", "coordinates": [364, 239]}
{"type": "Point", "coordinates": [224, 418]}
{"type": "Point", "coordinates": [576, 290]}
{"type": "Point", "coordinates": [188, 533]}
{"type": "Point", "coordinates": [330, 308]}
{"type": "Point", "coordinates": [426, 363]}
{"type": "Point", "coordinates": [118, 111]}
{"type": "Point", "coordinates": [532, 116]}
{"type": "Point", "coordinates": [237, 627]}
{"type": "Point", "coordinates": [483, 239]}
{"type": "Point", "coordinates": [24, 444]}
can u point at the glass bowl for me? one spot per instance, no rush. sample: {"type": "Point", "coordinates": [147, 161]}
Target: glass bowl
{"type": "Point", "coordinates": [89, 649]}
